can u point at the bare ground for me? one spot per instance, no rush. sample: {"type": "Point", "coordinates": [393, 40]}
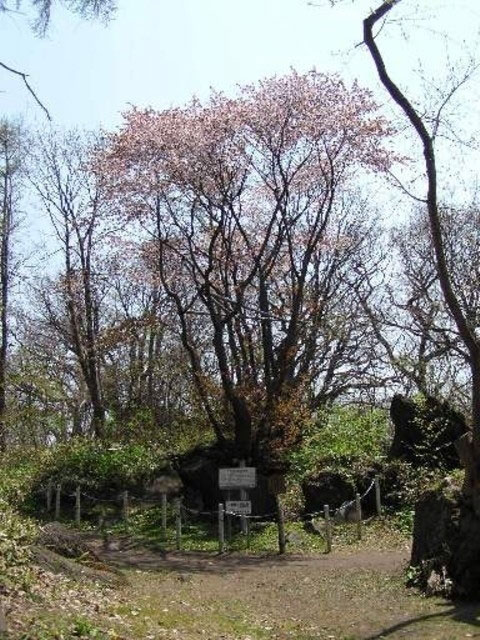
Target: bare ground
{"type": "Point", "coordinates": [355, 593]}
{"type": "Point", "coordinates": [343, 595]}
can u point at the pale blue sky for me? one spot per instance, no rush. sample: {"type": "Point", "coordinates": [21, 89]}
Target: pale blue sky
{"type": "Point", "coordinates": [161, 52]}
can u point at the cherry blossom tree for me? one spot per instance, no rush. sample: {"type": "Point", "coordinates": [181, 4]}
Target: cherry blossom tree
{"type": "Point", "coordinates": [254, 232]}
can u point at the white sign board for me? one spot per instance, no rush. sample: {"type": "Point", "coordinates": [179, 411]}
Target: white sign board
{"type": "Point", "coordinates": [237, 478]}
{"type": "Point", "coordinates": [239, 507]}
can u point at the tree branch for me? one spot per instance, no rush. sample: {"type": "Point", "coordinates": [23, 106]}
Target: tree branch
{"type": "Point", "coordinates": [24, 77]}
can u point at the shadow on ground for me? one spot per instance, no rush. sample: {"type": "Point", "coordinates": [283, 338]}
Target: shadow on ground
{"type": "Point", "coordinates": [468, 613]}
{"type": "Point", "coordinates": [123, 554]}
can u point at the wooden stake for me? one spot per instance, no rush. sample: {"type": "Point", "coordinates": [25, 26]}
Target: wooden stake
{"type": "Point", "coordinates": [178, 523]}
{"type": "Point", "coordinates": [125, 510]}
{"type": "Point", "coordinates": [358, 506]}
{"type": "Point", "coordinates": [57, 501]}
{"type": "Point", "coordinates": [49, 496]}
{"type": "Point", "coordinates": [377, 496]}
{"type": "Point", "coordinates": [78, 512]}
{"type": "Point", "coordinates": [3, 622]}
{"type": "Point", "coordinates": [328, 527]}
{"type": "Point", "coordinates": [282, 541]}
{"type": "Point", "coordinates": [164, 515]}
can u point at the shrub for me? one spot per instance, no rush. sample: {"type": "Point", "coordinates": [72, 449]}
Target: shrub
{"type": "Point", "coordinates": [342, 436]}
{"type": "Point", "coordinates": [102, 468]}
{"type": "Point", "coordinates": [16, 534]}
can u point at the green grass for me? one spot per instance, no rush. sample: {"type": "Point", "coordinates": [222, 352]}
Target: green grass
{"type": "Point", "coordinates": [202, 534]}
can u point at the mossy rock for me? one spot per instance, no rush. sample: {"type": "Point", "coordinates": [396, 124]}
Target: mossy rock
{"type": "Point", "coordinates": [425, 432]}
{"type": "Point", "coordinates": [446, 543]}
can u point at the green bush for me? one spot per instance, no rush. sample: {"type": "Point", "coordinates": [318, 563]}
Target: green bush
{"type": "Point", "coordinates": [340, 437]}
{"type": "Point", "coordinates": [102, 469]}
{"type": "Point", "coordinates": [178, 435]}
{"type": "Point", "coordinates": [20, 473]}
{"type": "Point", "coordinates": [16, 534]}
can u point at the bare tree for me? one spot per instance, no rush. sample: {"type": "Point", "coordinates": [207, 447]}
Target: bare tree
{"type": "Point", "coordinates": [72, 198]}
{"type": "Point", "coordinates": [11, 152]}
{"type": "Point", "coordinates": [426, 130]}
{"type": "Point", "coordinates": [42, 9]}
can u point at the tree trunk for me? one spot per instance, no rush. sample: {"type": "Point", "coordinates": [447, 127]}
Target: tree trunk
{"type": "Point", "coordinates": [6, 224]}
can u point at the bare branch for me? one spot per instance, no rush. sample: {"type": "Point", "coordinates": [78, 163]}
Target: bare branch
{"type": "Point", "coordinates": [24, 77]}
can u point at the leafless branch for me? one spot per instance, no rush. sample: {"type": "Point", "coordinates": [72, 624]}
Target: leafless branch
{"type": "Point", "coordinates": [24, 77]}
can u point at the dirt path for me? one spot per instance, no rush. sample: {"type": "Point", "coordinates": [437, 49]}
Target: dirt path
{"type": "Point", "coordinates": [359, 595]}
{"type": "Point", "coordinates": [196, 562]}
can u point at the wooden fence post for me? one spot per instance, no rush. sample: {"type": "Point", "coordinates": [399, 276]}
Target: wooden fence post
{"type": "Point", "coordinates": [57, 501]}
{"type": "Point", "coordinates": [178, 523]}
{"type": "Point", "coordinates": [282, 541]}
{"type": "Point", "coordinates": [3, 622]}
{"type": "Point", "coordinates": [78, 511]}
{"type": "Point", "coordinates": [125, 511]}
{"type": "Point", "coordinates": [243, 496]}
{"type": "Point", "coordinates": [221, 528]}
{"type": "Point", "coordinates": [101, 518]}
{"type": "Point", "coordinates": [377, 496]}
{"type": "Point", "coordinates": [164, 515]}
{"type": "Point", "coordinates": [49, 496]}
{"type": "Point", "coordinates": [228, 518]}
{"type": "Point", "coordinates": [328, 527]}
{"type": "Point", "coordinates": [358, 508]}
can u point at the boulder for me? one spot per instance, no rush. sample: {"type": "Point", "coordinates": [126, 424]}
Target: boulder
{"type": "Point", "coordinates": [170, 484]}
{"type": "Point", "coordinates": [198, 471]}
{"type": "Point", "coordinates": [446, 544]}
{"type": "Point", "coordinates": [330, 487]}
{"type": "Point", "coordinates": [425, 432]}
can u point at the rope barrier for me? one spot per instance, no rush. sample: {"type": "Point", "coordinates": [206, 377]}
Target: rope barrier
{"type": "Point", "coordinates": [95, 499]}
{"type": "Point", "coordinates": [264, 518]}
{"type": "Point", "coordinates": [199, 513]}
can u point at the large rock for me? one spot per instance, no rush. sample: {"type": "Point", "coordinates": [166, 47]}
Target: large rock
{"type": "Point", "coordinates": [334, 486]}
{"type": "Point", "coordinates": [198, 471]}
{"type": "Point", "coordinates": [446, 544]}
{"type": "Point", "coordinates": [330, 487]}
{"type": "Point", "coordinates": [425, 432]}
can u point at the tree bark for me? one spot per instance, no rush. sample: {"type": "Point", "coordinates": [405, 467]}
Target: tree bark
{"type": "Point", "coordinates": [6, 227]}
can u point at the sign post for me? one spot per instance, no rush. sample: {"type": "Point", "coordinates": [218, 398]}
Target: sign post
{"type": "Point", "coordinates": [241, 478]}
{"type": "Point", "coordinates": [239, 507]}
{"type": "Point", "coordinates": [237, 478]}
{"type": "Point", "coordinates": [244, 497]}
{"type": "Point", "coordinates": [221, 528]}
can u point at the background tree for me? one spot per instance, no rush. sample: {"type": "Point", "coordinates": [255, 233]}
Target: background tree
{"type": "Point", "coordinates": [42, 10]}
{"type": "Point", "coordinates": [426, 130]}
{"type": "Point", "coordinates": [71, 197]}
{"type": "Point", "coordinates": [11, 166]}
